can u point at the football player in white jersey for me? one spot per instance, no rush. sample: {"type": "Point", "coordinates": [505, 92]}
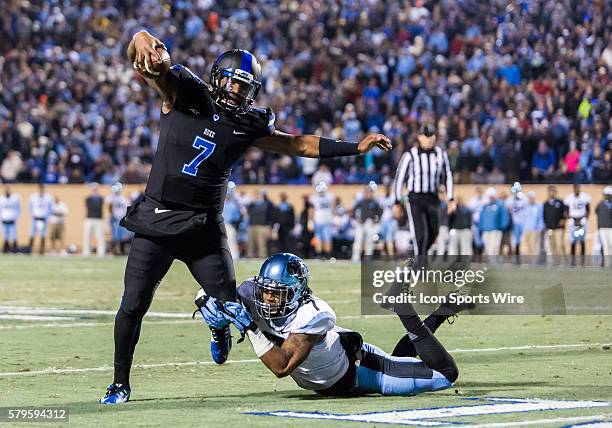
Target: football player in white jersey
{"type": "Point", "coordinates": [323, 219]}
{"type": "Point", "coordinates": [41, 206]}
{"type": "Point", "coordinates": [388, 220]}
{"type": "Point", "coordinates": [294, 333]}
{"type": "Point", "coordinates": [10, 208]}
{"type": "Point", "coordinates": [117, 207]}
{"type": "Point", "coordinates": [516, 205]}
{"type": "Point", "coordinates": [578, 210]}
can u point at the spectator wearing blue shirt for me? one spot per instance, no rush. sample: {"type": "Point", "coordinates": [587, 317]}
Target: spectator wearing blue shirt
{"type": "Point", "coordinates": [494, 219]}
{"type": "Point", "coordinates": [543, 162]}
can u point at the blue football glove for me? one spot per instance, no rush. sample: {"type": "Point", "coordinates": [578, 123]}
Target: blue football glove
{"type": "Point", "coordinates": [238, 315]}
{"type": "Point", "coordinates": [211, 310]}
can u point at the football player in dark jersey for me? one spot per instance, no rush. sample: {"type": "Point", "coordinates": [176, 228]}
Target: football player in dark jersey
{"type": "Point", "coordinates": [204, 130]}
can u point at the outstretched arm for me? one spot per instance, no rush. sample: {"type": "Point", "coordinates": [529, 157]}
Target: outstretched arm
{"type": "Point", "coordinates": [282, 360]}
{"type": "Point", "coordinates": [313, 146]}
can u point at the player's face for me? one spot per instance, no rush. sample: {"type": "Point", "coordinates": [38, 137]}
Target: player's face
{"type": "Point", "coordinates": [426, 142]}
{"type": "Point", "coordinates": [271, 298]}
{"type": "Point", "coordinates": [237, 90]}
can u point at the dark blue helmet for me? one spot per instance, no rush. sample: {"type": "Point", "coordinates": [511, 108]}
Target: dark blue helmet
{"type": "Point", "coordinates": [236, 80]}
{"type": "Point", "coordinates": [281, 286]}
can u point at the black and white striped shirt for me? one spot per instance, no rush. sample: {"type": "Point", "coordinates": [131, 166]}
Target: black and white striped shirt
{"type": "Point", "coordinates": [422, 172]}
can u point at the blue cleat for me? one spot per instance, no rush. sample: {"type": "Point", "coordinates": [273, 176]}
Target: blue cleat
{"type": "Point", "coordinates": [220, 344]}
{"type": "Point", "coordinates": [116, 394]}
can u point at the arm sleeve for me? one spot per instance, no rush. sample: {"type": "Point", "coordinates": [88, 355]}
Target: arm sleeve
{"type": "Point", "coordinates": [450, 191]}
{"type": "Point", "coordinates": [400, 177]}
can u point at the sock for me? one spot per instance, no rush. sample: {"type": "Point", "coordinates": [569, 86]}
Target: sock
{"type": "Point", "coordinates": [405, 347]}
{"type": "Point", "coordinates": [127, 333]}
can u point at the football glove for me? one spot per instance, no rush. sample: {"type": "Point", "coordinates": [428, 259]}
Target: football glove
{"type": "Point", "coordinates": [211, 310]}
{"type": "Point", "coordinates": [239, 316]}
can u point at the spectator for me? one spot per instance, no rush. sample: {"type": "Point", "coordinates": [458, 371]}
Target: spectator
{"type": "Point", "coordinates": [94, 222]}
{"type": "Point", "coordinates": [10, 210]}
{"type": "Point", "coordinates": [117, 208]}
{"type": "Point", "coordinates": [285, 222]}
{"type": "Point", "coordinates": [604, 224]}
{"type": "Point", "coordinates": [554, 215]}
{"type": "Point", "coordinates": [322, 203]}
{"type": "Point", "coordinates": [367, 213]}
{"type": "Point", "coordinates": [578, 210]}
{"type": "Point", "coordinates": [460, 234]}
{"type": "Point", "coordinates": [494, 218]}
{"type": "Point", "coordinates": [543, 162]}
{"type": "Point", "coordinates": [57, 231]}
{"type": "Point", "coordinates": [533, 225]}
{"type": "Point", "coordinates": [40, 210]}
{"type": "Point", "coordinates": [261, 214]}
{"type": "Point", "coordinates": [232, 215]}
{"type": "Point", "coordinates": [11, 167]}
{"type": "Point", "coordinates": [322, 175]}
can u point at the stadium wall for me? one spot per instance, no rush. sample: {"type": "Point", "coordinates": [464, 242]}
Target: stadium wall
{"type": "Point", "coordinates": [74, 196]}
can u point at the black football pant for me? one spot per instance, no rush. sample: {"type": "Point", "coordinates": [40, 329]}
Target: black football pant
{"type": "Point", "coordinates": [206, 254]}
{"type": "Point", "coordinates": [422, 213]}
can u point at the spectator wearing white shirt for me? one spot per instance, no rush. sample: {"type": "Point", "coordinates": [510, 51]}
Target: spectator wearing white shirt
{"type": "Point", "coordinates": [10, 209]}
{"type": "Point", "coordinates": [40, 205]}
{"type": "Point", "coordinates": [57, 229]}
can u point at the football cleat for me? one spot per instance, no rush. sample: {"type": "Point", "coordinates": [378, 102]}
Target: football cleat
{"type": "Point", "coordinates": [220, 344]}
{"type": "Point", "coordinates": [452, 308]}
{"type": "Point", "coordinates": [116, 394]}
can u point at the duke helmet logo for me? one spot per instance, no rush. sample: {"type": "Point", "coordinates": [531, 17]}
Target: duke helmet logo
{"type": "Point", "coordinates": [215, 117]}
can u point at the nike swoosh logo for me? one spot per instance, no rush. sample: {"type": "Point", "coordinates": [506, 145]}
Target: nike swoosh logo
{"type": "Point", "coordinates": [158, 211]}
{"type": "Point", "coordinates": [239, 133]}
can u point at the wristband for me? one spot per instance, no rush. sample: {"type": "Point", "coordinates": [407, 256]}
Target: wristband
{"type": "Point", "coordinates": [260, 343]}
{"type": "Point", "coordinates": [329, 148]}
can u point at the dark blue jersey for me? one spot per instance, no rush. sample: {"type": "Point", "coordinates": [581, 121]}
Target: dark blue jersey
{"type": "Point", "coordinates": [198, 145]}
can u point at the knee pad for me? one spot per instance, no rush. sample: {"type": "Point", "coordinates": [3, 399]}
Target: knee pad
{"type": "Point", "coordinates": [134, 307]}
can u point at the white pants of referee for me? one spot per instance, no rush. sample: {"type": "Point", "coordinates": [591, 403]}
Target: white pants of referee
{"type": "Point", "coordinates": [460, 242]}
{"type": "Point", "coordinates": [94, 227]}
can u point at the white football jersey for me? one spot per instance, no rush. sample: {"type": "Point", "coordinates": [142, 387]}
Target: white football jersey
{"type": "Point", "coordinates": [9, 207]}
{"type": "Point", "coordinates": [323, 207]}
{"type": "Point", "coordinates": [577, 204]}
{"type": "Point", "coordinates": [327, 361]}
{"type": "Point", "coordinates": [387, 205]}
{"type": "Point", "coordinates": [118, 204]}
{"type": "Point", "coordinates": [516, 204]}
{"type": "Point", "coordinates": [41, 205]}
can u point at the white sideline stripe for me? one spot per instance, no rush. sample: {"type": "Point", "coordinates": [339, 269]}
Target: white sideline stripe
{"type": "Point", "coordinates": [53, 370]}
{"type": "Point", "coordinates": [35, 318]}
{"type": "Point", "coordinates": [26, 310]}
{"type": "Point", "coordinates": [593, 418]}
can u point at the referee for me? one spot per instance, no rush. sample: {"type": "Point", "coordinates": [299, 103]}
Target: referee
{"type": "Point", "coordinates": [422, 169]}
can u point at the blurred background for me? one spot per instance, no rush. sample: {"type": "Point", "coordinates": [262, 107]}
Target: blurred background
{"type": "Point", "coordinates": [518, 90]}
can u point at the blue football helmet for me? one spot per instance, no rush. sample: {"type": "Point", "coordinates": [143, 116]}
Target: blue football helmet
{"type": "Point", "coordinates": [281, 286]}
{"type": "Point", "coordinates": [233, 67]}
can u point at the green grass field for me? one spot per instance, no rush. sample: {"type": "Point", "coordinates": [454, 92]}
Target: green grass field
{"type": "Point", "coordinates": [65, 358]}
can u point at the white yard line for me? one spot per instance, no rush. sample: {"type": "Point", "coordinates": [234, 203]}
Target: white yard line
{"type": "Point", "coordinates": [26, 310]}
{"type": "Point", "coordinates": [34, 318]}
{"type": "Point", "coordinates": [81, 324]}
{"type": "Point", "coordinates": [53, 370]}
{"type": "Point", "coordinates": [593, 418]}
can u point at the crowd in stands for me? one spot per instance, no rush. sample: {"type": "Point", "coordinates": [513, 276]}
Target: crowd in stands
{"type": "Point", "coordinates": [518, 89]}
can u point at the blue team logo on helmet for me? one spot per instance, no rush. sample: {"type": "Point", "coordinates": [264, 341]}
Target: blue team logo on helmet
{"type": "Point", "coordinates": [236, 80]}
{"type": "Point", "coordinates": [281, 286]}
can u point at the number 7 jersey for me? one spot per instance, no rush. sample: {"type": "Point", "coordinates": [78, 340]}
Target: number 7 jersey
{"type": "Point", "coordinates": [198, 146]}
